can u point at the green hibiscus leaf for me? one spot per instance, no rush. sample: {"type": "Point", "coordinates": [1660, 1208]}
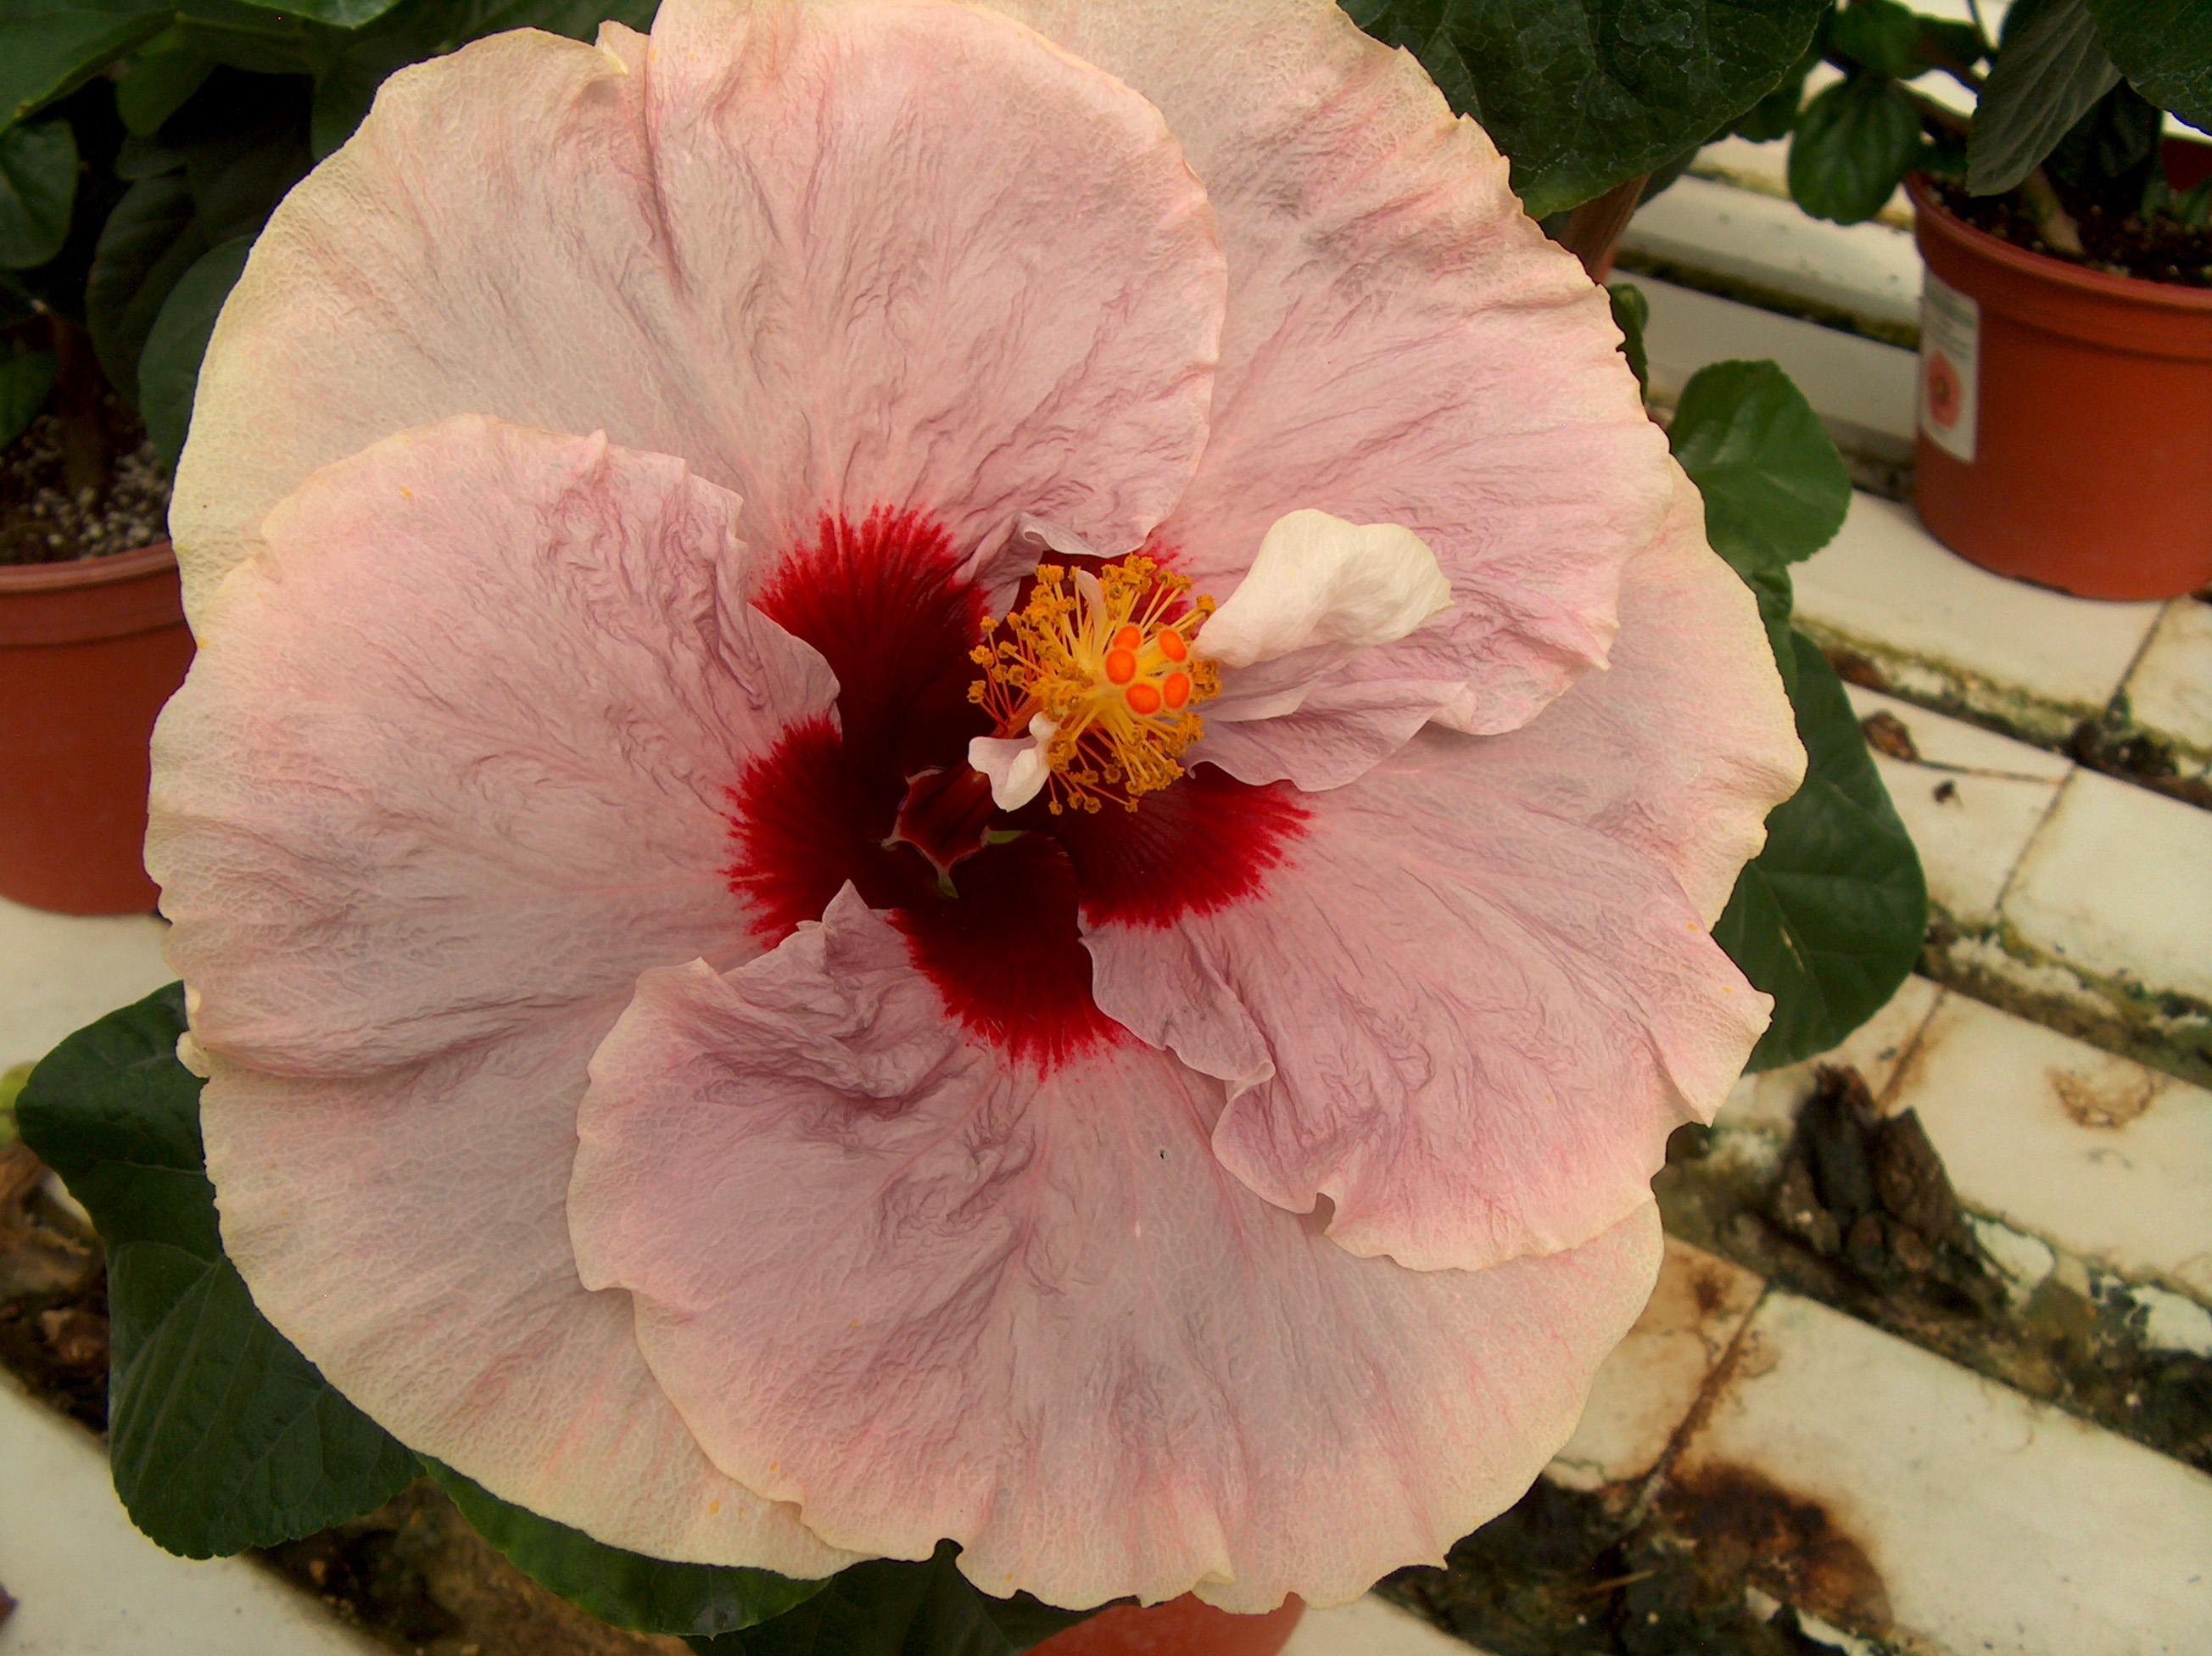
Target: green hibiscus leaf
{"type": "Point", "coordinates": [1631, 315]}
{"type": "Point", "coordinates": [1583, 94]}
{"type": "Point", "coordinates": [150, 240]}
{"type": "Point", "coordinates": [340, 14]}
{"type": "Point", "coordinates": [53, 49]}
{"type": "Point", "coordinates": [159, 78]}
{"type": "Point", "coordinates": [1880, 35]}
{"type": "Point", "coordinates": [1828, 919]}
{"type": "Point", "coordinates": [1775, 114]}
{"type": "Point", "coordinates": [221, 1435]}
{"type": "Point", "coordinates": [26, 378]}
{"type": "Point", "coordinates": [37, 186]}
{"type": "Point", "coordinates": [1776, 490]}
{"type": "Point", "coordinates": [2051, 73]}
{"type": "Point", "coordinates": [2164, 49]}
{"type": "Point", "coordinates": [169, 369]}
{"type": "Point", "coordinates": [1854, 145]}
{"type": "Point", "coordinates": [647, 1595]}
{"type": "Point", "coordinates": [889, 1608]}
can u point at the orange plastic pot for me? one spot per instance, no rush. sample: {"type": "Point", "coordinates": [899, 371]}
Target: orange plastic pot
{"type": "Point", "coordinates": [1182, 1627]}
{"type": "Point", "coordinates": [89, 650]}
{"type": "Point", "coordinates": [2065, 416]}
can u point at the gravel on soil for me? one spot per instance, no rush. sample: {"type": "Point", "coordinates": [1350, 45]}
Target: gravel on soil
{"type": "Point", "coordinates": [42, 522]}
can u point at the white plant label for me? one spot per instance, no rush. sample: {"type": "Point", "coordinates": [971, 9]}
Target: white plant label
{"type": "Point", "coordinates": [1950, 367]}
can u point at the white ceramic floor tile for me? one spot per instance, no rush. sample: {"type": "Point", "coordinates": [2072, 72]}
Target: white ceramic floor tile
{"type": "Point", "coordinates": [1765, 1105]}
{"type": "Point", "coordinates": [2119, 882]}
{"type": "Point", "coordinates": [1370, 1627]}
{"type": "Point", "coordinates": [87, 1584]}
{"type": "Point", "coordinates": [1870, 269]}
{"type": "Point", "coordinates": [58, 973]}
{"type": "Point", "coordinates": [2107, 1160]}
{"type": "Point", "coordinates": [1972, 801]}
{"type": "Point", "coordinates": [1647, 1387]}
{"type": "Point", "coordinates": [1847, 377]}
{"type": "Point", "coordinates": [1886, 587]}
{"type": "Point", "coordinates": [2170, 691]}
{"type": "Point", "coordinates": [1991, 1522]}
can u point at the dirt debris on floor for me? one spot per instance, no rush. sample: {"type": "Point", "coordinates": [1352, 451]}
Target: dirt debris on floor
{"type": "Point", "coordinates": [1860, 1217]}
{"type": "Point", "coordinates": [1715, 1566]}
{"type": "Point", "coordinates": [413, 1573]}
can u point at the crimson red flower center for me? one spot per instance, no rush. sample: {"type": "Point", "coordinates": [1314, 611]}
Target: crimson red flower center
{"type": "Point", "coordinates": [1001, 941]}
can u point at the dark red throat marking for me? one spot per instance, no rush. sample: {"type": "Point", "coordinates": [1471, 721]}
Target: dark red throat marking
{"type": "Point", "coordinates": [881, 604]}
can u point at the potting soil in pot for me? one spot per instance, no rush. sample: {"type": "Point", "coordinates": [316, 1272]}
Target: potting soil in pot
{"type": "Point", "coordinates": [43, 521]}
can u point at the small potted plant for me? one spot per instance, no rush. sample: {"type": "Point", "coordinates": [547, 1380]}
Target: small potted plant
{"type": "Point", "coordinates": [2066, 339]}
{"type": "Point", "coordinates": [92, 632]}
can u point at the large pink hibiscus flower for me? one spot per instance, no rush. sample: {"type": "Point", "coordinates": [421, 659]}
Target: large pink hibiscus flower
{"type": "Point", "coordinates": [657, 1071]}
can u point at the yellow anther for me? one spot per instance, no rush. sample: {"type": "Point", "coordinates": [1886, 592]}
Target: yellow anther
{"type": "Point", "coordinates": [1106, 657]}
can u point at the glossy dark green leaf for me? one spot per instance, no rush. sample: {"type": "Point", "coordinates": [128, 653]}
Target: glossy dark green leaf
{"type": "Point", "coordinates": [2164, 49]}
{"type": "Point", "coordinates": [150, 240]}
{"type": "Point", "coordinates": [38, 185]}
{"type": "Point", "coordinates": [2111, 153]}
{"type": "Point", "coordinates": [1773, 115]}
{"type": "Point", "coordinates": [891, 1608]}
{"type": "Point", "coordinates": [1776, 490]}
{"type": "Point", "coordinates": [1828, 919]}
{"type": "Point", "coordinates": [27, 378]}
{"type": "Point", "coordinates": [647, 1595]}
{"type": "Point", "coordinates": [2052, 70]}
{"type": "Point", "coordinates": [1853, 146]}
{"type": "Point", "coordinates": [1632, 314]}
{"type": "Point", "coordinates": [1879, 35]}
{"type": "Point", "coordinates": [53, 48]}
{"type": "Point", "coordinates": [221, 1435]}
{"type": "Point", "coordinates": [342, 14]}
{"type": "Point", "coordinates": [169, 370]}
{"type": "Point", "coordinates": [1583, 94]}
{"type": "Point", "coordinates": [159, 77]}
{"type": "Point", "coordinates": [1771, 585]}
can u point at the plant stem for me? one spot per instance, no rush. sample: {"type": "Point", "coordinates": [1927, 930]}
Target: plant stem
{"type": "Point", "coordinates": [1594, 228]}
{"type": "Point", "coordinates": [1939, 115]}
{"type": "Point", "coordinates": [2053, 221]}
{"type": "Point", "coordinates": [87, 457]}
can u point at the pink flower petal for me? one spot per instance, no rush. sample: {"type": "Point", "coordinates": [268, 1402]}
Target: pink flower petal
{"type": "Point", "coordinates": [903, 255]}
{"type": "Point", "coordinates": [1402, 344]}
{"type": "Point", "coordinates": [455, 752]}
{"type": "Point", "coordinates": [1479, 993]}
{"type": "Point", "coordinates": [448, 772]}
{"type": "Point", "coordinates": [921, 1295]}
{"type": "Point", "coordinates": [1682, 747]}
{"type": "Point", "coordinates": [408, 1232]}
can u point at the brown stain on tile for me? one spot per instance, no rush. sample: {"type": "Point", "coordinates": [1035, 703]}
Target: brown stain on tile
{"type": "Point", "coordinates": [2109, 1103]}
{"type": "Point", "coordinates": [1746, 1527]}
{"type": "Point", "coordinates": [1708, 1288]}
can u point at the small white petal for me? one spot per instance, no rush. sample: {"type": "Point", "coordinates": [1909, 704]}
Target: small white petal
{"type": "Point", "coordinates": [1039, 536]}
{"type": "Point", "coordinates": [1321, 582]}
{"type": "Point", "coordinates": [1016, 764]}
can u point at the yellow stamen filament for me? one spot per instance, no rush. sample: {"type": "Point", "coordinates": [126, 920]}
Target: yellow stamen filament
{"type": "Point", "coordinates": [1102, 657]}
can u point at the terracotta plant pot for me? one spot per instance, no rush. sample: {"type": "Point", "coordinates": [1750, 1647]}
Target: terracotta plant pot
{"type": "Point", "coordinates": [1182, 1627]}
{"type": "Point", "coordinates": [88, 652]}
{"type": "Point", "coordinates": [2065, 416]}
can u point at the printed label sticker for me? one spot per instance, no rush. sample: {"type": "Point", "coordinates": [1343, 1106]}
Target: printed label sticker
{"type": "Point", "coordinates": [1950, 367]}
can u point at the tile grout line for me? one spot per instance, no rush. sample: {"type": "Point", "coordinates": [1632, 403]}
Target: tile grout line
{"type": "Point", "coordinates": [2027, 846]}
